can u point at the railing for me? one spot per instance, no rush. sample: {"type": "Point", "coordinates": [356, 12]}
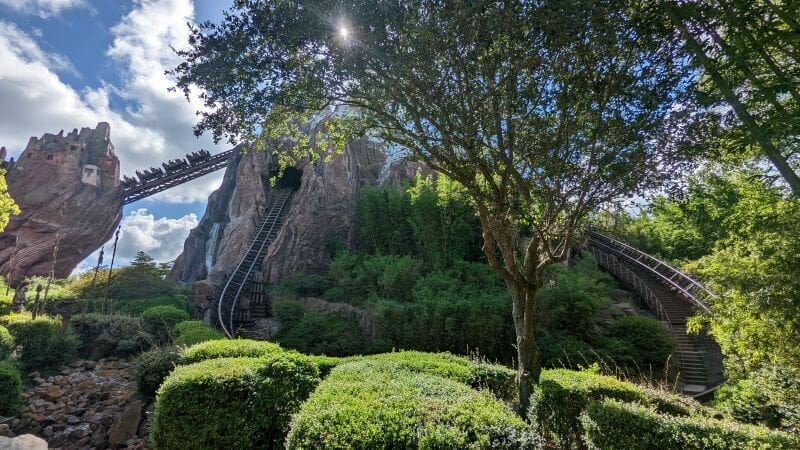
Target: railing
{"type": "Point", "coordinates": [691, 289]}
{"type": "Point", "coordinates": [233, 288]}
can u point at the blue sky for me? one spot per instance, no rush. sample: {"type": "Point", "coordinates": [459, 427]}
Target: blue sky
{"type": "Point", "coordinates": [68, 64]}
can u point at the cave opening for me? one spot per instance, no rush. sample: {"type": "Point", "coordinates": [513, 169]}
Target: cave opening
{"type": "Point", "coordinates": [289, 179]}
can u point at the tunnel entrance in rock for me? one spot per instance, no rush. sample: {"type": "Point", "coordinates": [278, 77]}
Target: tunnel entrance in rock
{"type": "Point", "coordinates": [289, 179]}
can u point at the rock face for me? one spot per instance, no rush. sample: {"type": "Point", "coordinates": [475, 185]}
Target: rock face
{"type": "Point", "coordinates": [322, 214]}
{"type": "Point", "coordinates": [67, 188]}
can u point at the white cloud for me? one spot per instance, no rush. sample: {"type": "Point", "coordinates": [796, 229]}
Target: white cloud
{"type": "Point", "coordinates": [158, 125]}
{"type": "Point", "coordinates": [160, 238]}
{"type": "Point", "coordinates": [42, 8]}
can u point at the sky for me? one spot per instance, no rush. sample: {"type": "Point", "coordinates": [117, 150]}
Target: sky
{"type": "Point", "coordinates": [68, 64]}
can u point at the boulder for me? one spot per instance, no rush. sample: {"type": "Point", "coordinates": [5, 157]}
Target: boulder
{"type": "Point", "coordinates": [24, 442]}
{"type": "Point", "coordinates": [126, 425]}
{"type": "Point", "coordinates": [68, 190]}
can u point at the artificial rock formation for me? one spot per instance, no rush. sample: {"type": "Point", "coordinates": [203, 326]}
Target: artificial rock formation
{"type": "Point", "coordinates": [67, 188]}
{"type": "Point", "coordinates": [322, 214]}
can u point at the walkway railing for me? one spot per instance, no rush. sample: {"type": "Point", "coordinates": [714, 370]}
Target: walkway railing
{"type": "Point", "coordinates": [231, 293]}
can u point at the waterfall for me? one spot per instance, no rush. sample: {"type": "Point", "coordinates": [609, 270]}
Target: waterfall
{"type": "Point", "coordinates": [394, 153]}
{"type": "Point", "coordinates": [211, 246]}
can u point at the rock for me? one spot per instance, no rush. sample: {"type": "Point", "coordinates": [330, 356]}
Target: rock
{"type": "Point", "coordinates": [365, 321]}
{"type": "Point", "coordinates": [103, 345]}
{"type": "Point", "coordinates": [76, 175]}
{"type": "Point", "coordinates": [126, 424]}
{"type": "Point", "coordinates": [24, 442]}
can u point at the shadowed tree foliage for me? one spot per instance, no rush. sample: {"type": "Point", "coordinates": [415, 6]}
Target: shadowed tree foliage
{"type": "Point", "coordinates": [540, 110]}
{"type": "Point", "coordinates": [8, 207]}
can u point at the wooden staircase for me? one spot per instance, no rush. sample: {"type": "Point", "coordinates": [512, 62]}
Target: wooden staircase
{"type": "Point", "coordinates": [243, 299]}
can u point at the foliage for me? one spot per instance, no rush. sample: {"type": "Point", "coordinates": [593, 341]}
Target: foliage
{"type": "Point", "coordinates": [6, 343]}
{"type": "Point", "coordinates": [160, 320]}
{"type": "Point", "coordinates": [308, 285]}
{"type": "Point", "coordinates": [317, 333]}
{"type": "Point", "coordinates": [231, 402]}
{"type": "Point", "coordinates": [144, 279]}
{"type": "Point", "coordinates": [152, 367]}
{"type": "Point", "coordinates": [641, 343]}
{"type": "Point", "coordinates": [41, 343]}
{"type": "Point", "coordinates": [325, 363]}
{"type": "Point", "coordinates": [228, 348]}
{"type": "Point", "coordinates": [768, 396]}
{"type": "Point", "coordinates": [187, 325]}
{"type": "Point", "coordinates": [611, 424]}
{"type": "Point", "coordinates": [383, 214]}
{"type": "Point", "coordinates": [127, 333]}
{"type": "Point", "coordinates": [417, 410]}
{"type": "Point", "coordinates": [10, 388]}
{"type": "Point", "coordinates": [8, 207]}
{"type": "Point", "coordinates": [364, 276]}
{"type": "Point", "coordinates": [197, 335]}
{"type": "Point", "coordinates": [137, 306]}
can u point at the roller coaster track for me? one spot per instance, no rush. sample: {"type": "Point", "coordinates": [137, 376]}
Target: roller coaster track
{"type": "Point", "coordinates": [672, 296]}
{"type": "Point", "coordinates": [170, 180]}
{"type": "Point", "coordinates": [239, 281]}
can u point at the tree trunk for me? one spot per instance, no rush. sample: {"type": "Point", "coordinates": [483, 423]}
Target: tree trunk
{"type": "Point", "coordinates": [528, 366]}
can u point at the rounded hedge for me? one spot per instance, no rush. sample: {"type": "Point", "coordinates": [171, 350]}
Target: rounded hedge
{"type": "Point", "coordinates": [160, 320]}
{"type": "Point", "coordinates": [6, 343]}
{"type": "Point", "coordinates": [611, 424]}
{"type": "Point", "coordinates": [152, 367]}
{"type": "Point", "coordinates": [382, 404]}
{"type": "Point", "coordinates": [198, 335]}
{"type": "Point", "coordinates": [231, 402]}
{"type": "Point", "coordinates": [187, 325]}
{"type": "Point", "coordinates": [228, 348]}
{"type": "Point", "coordinates": [41, 343]}
{"type": "Point", "coordinates": [10, 389]}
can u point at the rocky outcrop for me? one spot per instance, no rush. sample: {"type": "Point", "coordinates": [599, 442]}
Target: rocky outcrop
{"type": "Point", "coordinates": [322, 214]}
{"type": "Point", "coordinates": [67, 188]}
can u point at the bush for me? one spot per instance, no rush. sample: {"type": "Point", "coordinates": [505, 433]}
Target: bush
{"type": "Point", "coordinates": [228, 348]}
{"type": "Point", "coordinates": [126, 333]}
{"type": "Point", "coordinates": [317, 333]}
{"type": "Point", "coordinates": [562, 350]}
{"type": "Point", "coordinates": [379, 404]}
{"type": "Point", "coordinates": [561, 396]}
{"type": "Point", "coordinates": [308, 285]}
{"type": "Point", "coordinates": [160, 320]}
{"type": "Point", "coordinates": [639, 343]}
{"type": "Point", "coordinates": [152, 367]}
{"type": "Point", "coordinates": [42, 344]}
{"type": "Point", "coordinates": [497, 379]}
{"type": "Point", "coordinates": [231, 402]}
{"type": "Point", "coordinates": [10, 389]}
{"type": "Point", "coordinates": [6, 343]}
{"type": "Point", "coordinates": [768, 396]}
{"type": "Point", "coordinates": [612, 424]}
{"type": "Point", "coordinates": [187, 325]}
{"type": "Point", "coordinates": [325, 363]}
{"type": "Point", "coordinates": [138, 306]}
{"type": "Point", "coordinates": [198, 335]}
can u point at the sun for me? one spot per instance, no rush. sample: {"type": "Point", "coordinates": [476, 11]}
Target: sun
{"type": "Point", "coordinates": [344, 32]}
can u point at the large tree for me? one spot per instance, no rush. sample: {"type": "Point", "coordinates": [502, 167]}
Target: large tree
{"type": "Point", "coordinates": [541, 110]}
{"type": "Point", "coordinates": [749, 53]}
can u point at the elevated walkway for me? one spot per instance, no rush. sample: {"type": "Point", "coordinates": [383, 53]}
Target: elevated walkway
{"type": "Point", "coordinates": [243, 299]}
{"type": "Point", "coordinates": [672, 297]}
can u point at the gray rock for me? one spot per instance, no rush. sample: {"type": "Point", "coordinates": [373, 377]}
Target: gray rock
{"type": "Point", "coordinates": [24, 442]}
{"type": "Point", "coordinates": [126, 424]}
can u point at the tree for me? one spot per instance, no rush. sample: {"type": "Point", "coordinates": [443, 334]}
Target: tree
{"type": "Point", "coordinates": [540, 110]}
{"type": "Point", "coordinates": [749, 51]}
{"type": "Point", "coordinates": [7, 205]}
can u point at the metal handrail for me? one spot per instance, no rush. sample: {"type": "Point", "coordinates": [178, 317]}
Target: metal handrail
{"type": "Point", "coordinates": [279, 209]}
{"type": "Point", "coordinates": [642, 259]}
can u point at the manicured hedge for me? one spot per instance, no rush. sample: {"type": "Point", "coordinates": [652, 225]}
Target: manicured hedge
{"type": "Point", "coordinates": [6, 343]}
{"type": "Point", "coordinates": [10, 389]}
{"type": "Point", "coordinates": [612, 425]}
{"type": "Point", "coordinates": [562, 395]}
{"type": "Point", "coordinates": [126, 333]}
{"type": "Point", "coordinates": [160, 320]}
{"type": "Point", "coordinates": [228, 348]}
{"type": "Point", "coordinates": [231, 402]}
{"type": "Point", "coordinates": [139, 306]}
{"type": "Point", "coordinates": [325, 363]}
{"type": "Point", "coordinates": [187, 325]}
{"type": "Point", "coordinates": [41, 343]}
{"type": "Point", "coordinates": [152, 367]}
{"type": "Point", "coordinates": [497, 379]}
{"type": "Point", "coordinates": [198, 335]}
{"type": "Point", "coordinates": [384, 404]}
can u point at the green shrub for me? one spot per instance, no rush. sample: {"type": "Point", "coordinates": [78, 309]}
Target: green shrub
{"type": "Point", "coordinates": [10, 389]}
{"type": "Point", "coordinates": [160, 320]}
{"type": "Point", "coordinates": [325, 363]}
{"type": "Point", "coordinates": [126, 333]}
{"type": "Point", "coordinates": [151, 367]}
{"type": "Point", "coordinates": [138, 306]}
{"type": "Point", "coordinates": [562, 350]}
{"type": "Point", "coordinates": [187, 325]}
{"type": "Point", "coordinates": [380, 404]}
{"type": "Point", "coordinates": [561, 396]}
{"type": "Point", "coordinates": [308, 285]}
{"type": "Point", "coordinates": [198, 335]}
{"type": "Point", "coordinates": [6, 343]}
{"type": "Point", "coordinates": [289, 313]}
{"type": "Point", "coordinates": [639, 343]}
{"type": "Point", "coordinates": [42, 344]}
{"type": "Point", "coordinates": [228, 348]}
{"type": "Point", "coordinates": [611, 424]}
{"type": "Point", "coordinates": [768, 396]}
{"type": "Point", "coordinates": [231, 402]}
{"type": "Point", "coordinates": [318, 333]}
{"type": "Point", "coordinates": [497, 379]}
